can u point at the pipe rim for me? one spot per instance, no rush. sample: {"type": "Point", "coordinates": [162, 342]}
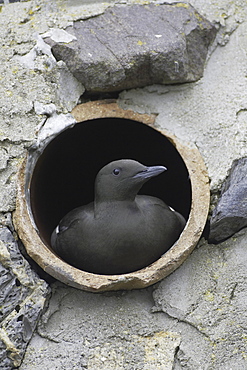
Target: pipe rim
{"type": "Point", "coordinates": [149, 275]}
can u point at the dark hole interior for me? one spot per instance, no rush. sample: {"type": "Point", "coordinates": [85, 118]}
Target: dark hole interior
{"type": "Point", "coordinates": [64, 175]}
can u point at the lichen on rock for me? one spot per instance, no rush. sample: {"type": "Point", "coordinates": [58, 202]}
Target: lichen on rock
{"type": "Point", "coordinates": [139, 46]}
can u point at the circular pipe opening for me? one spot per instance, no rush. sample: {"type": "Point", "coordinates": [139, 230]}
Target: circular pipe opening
{"type": "Point", "coordinates": [63, 179]}
{"type": "Point", "coordinates": [64, 175]}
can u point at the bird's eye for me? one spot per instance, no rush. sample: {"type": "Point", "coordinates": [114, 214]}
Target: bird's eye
{"type": "Point", "coordinates": [116, 171]}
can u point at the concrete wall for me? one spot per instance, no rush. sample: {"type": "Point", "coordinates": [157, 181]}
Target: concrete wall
{"type": "Point", "coordinates": [196, 317]}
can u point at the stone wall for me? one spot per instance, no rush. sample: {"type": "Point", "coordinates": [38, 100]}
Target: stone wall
{"type": "Point", "coordinates": [196, 317]}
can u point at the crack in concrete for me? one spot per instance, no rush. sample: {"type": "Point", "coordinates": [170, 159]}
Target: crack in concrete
{"type": "Point", "coordinates": [184, 321]}
{"type": "Point", "coordinates": [232, 294]}
{"type": "Point", "coordinates": [176, 359]}
{"type": "Point", "coordinates": [46, 317]}
{"type": "Point", "coordinates": [47, 336]}
{"type": "Point", "coordinates": [196, 328]}
{"type": "Point", "coordinates": [240, 111]}
{"type": "Point", "coordinates": [15, 142]}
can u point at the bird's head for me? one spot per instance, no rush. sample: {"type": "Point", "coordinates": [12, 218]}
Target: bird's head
{"type": "Point", "coordinates": [122, 179]}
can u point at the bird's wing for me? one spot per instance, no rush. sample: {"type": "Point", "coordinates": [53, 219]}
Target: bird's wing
{"type": "Point", "coordinates": [68, 221]}
{"type": "Point", "coordinates": [146, 200]}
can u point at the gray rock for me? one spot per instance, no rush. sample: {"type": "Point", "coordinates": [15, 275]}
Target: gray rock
{"type": "Point", "coordinates": [134, 46]}
{"type": "Point", "coordinates": [106, 331]}
{"type": "Point", "coordinates": [22, 298]}
{"type": "Point", "coordinates": [230, 214]}
{"type": "Point", "coordinates": [207, 297]}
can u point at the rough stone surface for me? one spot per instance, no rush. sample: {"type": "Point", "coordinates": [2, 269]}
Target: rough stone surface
{"type": "Point", "coordinates": [116, 331]}
{"type": "Point", "coordinates": [201, 322]}
{"type": "Point", "coordinates": [208, 112]}
{"type": "Point", "coordinates": [202, 305]}
{"type": "Point", "coordinates": [30, 75]}
{"type": "Point", "coordinates": [134, 46]}
{"type": "Point", "coordinates": [230, 213]}
{"type": "Point", "coordinates": [207, 295]}
{"type": "Point", "coordinates": [22, 298]}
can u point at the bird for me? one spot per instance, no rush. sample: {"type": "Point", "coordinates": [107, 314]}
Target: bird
{"type": "Point", "coordinates": [120, 231]}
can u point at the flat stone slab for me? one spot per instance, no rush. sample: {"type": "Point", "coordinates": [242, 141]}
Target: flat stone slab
{"type": "Point", "coordinates": [131, 46]}
{"type": "Point", "coordinates": [230, 214]}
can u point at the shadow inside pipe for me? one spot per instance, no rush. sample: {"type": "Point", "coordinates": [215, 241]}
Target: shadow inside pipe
{"type": "Point", "coordinates": [64, 175]}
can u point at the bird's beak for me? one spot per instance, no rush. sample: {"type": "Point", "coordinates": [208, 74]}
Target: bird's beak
{"type": "Point", "coordinates": [150, 172]}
